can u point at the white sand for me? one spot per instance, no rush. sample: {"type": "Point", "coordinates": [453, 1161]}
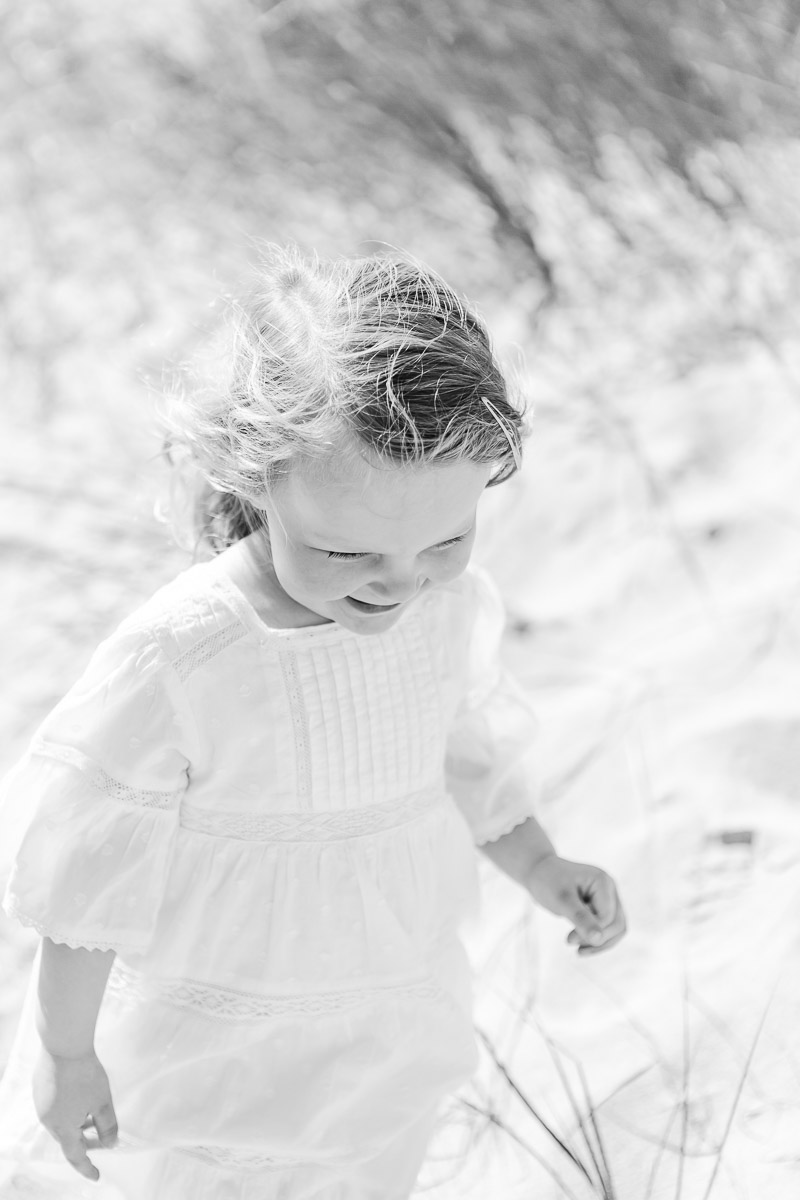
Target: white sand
{"type": "Point", "coordinates": [663, 649]}
{"type": "Point", "coordinates": [661, 642]}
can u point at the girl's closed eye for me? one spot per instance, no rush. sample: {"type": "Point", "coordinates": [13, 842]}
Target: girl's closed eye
{"type": "Point", "coordinates": [362, 554]}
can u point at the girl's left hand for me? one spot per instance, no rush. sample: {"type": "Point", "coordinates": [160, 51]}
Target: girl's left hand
{"type": "Point", "coordinates": [586, 895]}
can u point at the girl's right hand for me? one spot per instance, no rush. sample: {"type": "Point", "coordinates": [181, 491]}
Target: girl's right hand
{"type": "Point", "coordinates": [71, 1094]}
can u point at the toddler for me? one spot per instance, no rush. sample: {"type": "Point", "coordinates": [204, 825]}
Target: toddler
{"type": "Point", "coordinates": [249, 828]}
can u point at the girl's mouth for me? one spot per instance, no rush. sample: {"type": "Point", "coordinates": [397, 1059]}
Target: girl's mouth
{"type": "Point", "coordinates": [362, 606]}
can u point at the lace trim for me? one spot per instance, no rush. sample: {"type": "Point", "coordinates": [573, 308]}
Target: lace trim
{"type": "Point", "coordinates": [201, 653]}
{"type": "Point", "coordinates": [237, 1160]}
{"type": "Point", "coordinates": [105, 783]}
{"type": "Point", "coordinates": [217, 1156]}
{"type": "Point", "coordinates": [229, 1004]}
{"type": "Point", "coordinates": [297, 708]}
{"type": "Point", "coordinates": [483, 837]}
{"type": "Point", "coordinates": [76, 943]}
{"type": "Point", "coordinates": [308, 826]}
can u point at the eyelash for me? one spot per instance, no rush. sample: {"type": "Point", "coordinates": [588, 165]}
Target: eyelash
{"type": "Point", "coordinates": [352, 557]}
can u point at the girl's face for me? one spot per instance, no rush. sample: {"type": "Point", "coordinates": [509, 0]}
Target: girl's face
{"type": "Point", "coordinates": [356, 543]}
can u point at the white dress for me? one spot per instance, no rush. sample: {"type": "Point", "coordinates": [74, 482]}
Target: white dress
{"type": "Point", "coordinates": [274, 830]}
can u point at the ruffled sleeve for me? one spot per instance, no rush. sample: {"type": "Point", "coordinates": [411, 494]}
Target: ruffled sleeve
{"type": "Point", "coordinates": [488, 764]}
{"type": "Point", "coordinates": [92, 809]}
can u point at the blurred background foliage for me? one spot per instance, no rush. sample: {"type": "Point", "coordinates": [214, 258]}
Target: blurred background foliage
{"type": "Point", "coordinates": [538, 151]}
{"type": "Point", "coordinates": [612, 181]}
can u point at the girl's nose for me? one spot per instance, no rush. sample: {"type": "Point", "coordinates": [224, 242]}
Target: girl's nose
{"type": "Point", "coordinates": [396, 583]}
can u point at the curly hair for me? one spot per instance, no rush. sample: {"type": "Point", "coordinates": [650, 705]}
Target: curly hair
{"type": "Point", "coordinates": [375, 348]}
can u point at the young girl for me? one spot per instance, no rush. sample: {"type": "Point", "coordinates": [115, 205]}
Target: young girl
{"type": "Point", "coordinates": [250, 827]}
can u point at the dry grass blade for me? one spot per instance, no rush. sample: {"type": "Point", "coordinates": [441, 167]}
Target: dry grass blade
{"type": "Point", "coordinates": [520, 1141]}
{"type": "Point", "coordinates": [651, 1180]}
{"type": "Point", "coordinates": [598, 1157]}
{"type": "Point", "coordinates": [739, 1090]}
{"type": "Point", "coordinates": [685, 1073]}
{"type": "Point", "coordinates": [555, 1137]}
{"type": "Point", "coordinates": [592, 1116]}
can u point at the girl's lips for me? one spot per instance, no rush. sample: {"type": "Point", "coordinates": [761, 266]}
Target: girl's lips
{"type": "Point", "coordinates": [362, 606]}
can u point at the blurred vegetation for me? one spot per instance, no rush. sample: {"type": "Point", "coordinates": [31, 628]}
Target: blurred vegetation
{"type": "Point", "coordinates": [538, 151]}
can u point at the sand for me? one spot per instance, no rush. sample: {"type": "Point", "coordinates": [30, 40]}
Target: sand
{"type": "Point", "coordinates": [660, 642]}
{"type": "Point", "coordinates": [649, 562]}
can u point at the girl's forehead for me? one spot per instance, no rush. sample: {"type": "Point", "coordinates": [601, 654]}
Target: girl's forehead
{"type": "Point", "coordinates": [355, 496]}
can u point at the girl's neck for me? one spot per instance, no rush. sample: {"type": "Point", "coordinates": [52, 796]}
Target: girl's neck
{"type": "Point", "coordinates": [249, 565]}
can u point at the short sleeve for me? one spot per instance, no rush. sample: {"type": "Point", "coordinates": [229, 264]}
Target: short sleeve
{"type": "Point", "coordinates": [91, 812]}
{"type": "Point", "coordinates": [488, 765]}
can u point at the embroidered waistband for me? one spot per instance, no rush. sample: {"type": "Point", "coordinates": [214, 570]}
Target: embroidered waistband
{"type": "Point", "coordinates": [231, 1004]}
{"type": "Point", "coordinates": [309, 826]}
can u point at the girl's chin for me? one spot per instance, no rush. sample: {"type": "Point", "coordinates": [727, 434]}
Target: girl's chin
{"type": "Point", "coordinates": [361, 617]}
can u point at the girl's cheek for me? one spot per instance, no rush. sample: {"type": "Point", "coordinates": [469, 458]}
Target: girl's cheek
{"type": "Point", "coordinates": [339, 579]}
{"type": "Point", "coordinates": [453, 565]}
{"type": "Point", "coordinates": [320, 572]}
{"type": "Point", "coordinates": [461, 556]}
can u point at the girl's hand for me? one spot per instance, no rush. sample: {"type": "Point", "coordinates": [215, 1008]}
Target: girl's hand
{"type": "Point", "coordinates": [585, 895]}
{"type": "Point", "coordinates": [70, 1096]}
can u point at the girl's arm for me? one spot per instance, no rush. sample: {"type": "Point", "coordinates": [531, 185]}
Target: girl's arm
{"type": "Point", "coordinates": [71, 986]}
{"type": "Point", "coordinates": [586, 895]}
{"type": "Point", "coordinates": [70, 1083]}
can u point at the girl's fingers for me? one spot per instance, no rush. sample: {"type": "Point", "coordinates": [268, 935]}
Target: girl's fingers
{"type": "Point", "coordinates": [601, 924]}
{"type": "Point", "coordinates": [74, 1151]}
{"type": "Point", "coordinates": [588, 897]}
{"type": "Point", "coordinates": [589, 947]}
{"type": "Point", "coordinates": [602, 898]}
{"type": "Point", "coordinates": [585, 950]}
{"type": "Point", "coordinates": [104, 1124]}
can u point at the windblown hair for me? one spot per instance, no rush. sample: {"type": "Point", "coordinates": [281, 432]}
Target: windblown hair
{"type": "Point", "coordinates": [373, 352]}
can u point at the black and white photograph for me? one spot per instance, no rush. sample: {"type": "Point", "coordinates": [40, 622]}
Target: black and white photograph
{"type": "Point", "coordinates": [400, 534]}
